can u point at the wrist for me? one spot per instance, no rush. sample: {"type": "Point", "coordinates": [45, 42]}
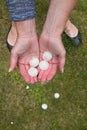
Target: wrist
{"type": "Point", "coordinates": [26, 28]}
{"type": "Point", "coordinates": [51, 33]}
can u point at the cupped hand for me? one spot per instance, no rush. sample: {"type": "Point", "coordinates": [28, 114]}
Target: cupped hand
{"type": "Point", "coordinates": [55, 46]}
{"type": "Point", "coordinates": [24, 49]}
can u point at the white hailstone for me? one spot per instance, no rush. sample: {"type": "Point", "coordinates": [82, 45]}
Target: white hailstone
{"type": "Point", "coordinates": [27, 87]}
{"type": "Point", "coordinates": [56, 95]}
{"type": "Point", "coordinates": [44, 65]}
{"type": "Point", "coordinates": [12, 123]}
{"type": "Point", "coordinates": [33, 72]}
{"type": "Point", "coordinates": [34, 62]}
{"type": "Point", "coordinates": [47, 56]}
{"type": "Point", "coordinates": [44, 106]}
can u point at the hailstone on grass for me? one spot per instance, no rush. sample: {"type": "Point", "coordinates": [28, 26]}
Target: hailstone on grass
{"type": "Point", "coordinates": [56, 95]}
{"type": "Point", "coordinates": [44, 106]}
{"type": "Point", "coordinates": [12, 122]}
{"type": "Point", "coordinates": [27, 87]}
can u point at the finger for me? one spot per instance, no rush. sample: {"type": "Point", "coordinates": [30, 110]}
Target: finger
{"type": "Point", "coordinates": [39, 70]}
{"type": "Point", "coordinates": [13, 61]}
{"type": "Point", "coordinates": [32, 80]}
{"type": "Point", "coordinates": [23, 72]}
{"type": "Point", "coordinates": [52, 72]}
{"type": "Point", "coordinates": [40, 74]}
{"type": "Point", "coordinates": [45, 74]}
{"type": "Point", "coordinates": [35, 79]}
{"type": "Point", "coordinates": [61, 63]}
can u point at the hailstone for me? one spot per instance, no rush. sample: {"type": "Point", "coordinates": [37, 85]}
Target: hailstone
{"type": "Point", "coordinates": [33, 72]}
{"type": "Point", "coordinates": [44, 65]}
{"type": "Point", "coordinates": [47, 56]}
{"type": "Point", "coordinates": [34, 62]}
{"type": "Point", "coordinates": [12, 122]}
{"type": "Point", "coordinates": [56, 95]}
{"type": "Point", "coordinates": [27, 87]}
{"type": "Point", "coordinates": [44, 106]}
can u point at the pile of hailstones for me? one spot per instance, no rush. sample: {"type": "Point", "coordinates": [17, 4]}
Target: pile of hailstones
{"type": "Point", "coordinates": [43, 65]}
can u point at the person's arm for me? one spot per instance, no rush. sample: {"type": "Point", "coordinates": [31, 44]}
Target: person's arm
{"type": "Point", "coordinates": [22, 13]}
{"type": "Point", "coordinates": [58, 14]}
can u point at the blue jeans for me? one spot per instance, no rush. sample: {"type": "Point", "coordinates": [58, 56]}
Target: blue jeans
{"type": "Point", "coordinates": [21, 9]}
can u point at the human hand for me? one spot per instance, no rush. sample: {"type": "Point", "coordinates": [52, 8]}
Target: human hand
{"type": "Point", "coordinates": [24, 49]}
{"type": "Point", "coordinates": [55, 46]}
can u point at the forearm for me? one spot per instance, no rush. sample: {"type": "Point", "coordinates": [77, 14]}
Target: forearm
{"type": "Point", "coordinates": [21, 9]}
{"type": "Point", "coordinates": [58, 13]}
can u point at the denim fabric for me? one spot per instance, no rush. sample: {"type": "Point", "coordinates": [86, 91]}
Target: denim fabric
{"type": "Point", "coordinates": [21, 9]}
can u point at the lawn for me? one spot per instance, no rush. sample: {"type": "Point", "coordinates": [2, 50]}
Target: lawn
{"type": "Point", "coordinates": [20, 109]}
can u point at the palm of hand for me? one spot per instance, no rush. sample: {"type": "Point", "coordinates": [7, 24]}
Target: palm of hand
{"type": "Point", "coordinates": [25, 49]}
{"type": "Point", "coordinates": [23, 52]}
{"type": "Point", "coordinates": [56, 48]}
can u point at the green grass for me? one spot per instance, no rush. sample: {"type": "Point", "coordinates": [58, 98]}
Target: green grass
{"type": "Point", "coordinates": [22, 106]}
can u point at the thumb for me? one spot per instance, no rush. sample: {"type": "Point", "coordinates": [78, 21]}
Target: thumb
{"type": "Point", "coordinates": [13, 61]}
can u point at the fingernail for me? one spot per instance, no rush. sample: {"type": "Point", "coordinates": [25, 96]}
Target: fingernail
{"type": "Point", "coordinates": [62, 70]}
{"type": "Point", "coordinates": [9, 70]}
